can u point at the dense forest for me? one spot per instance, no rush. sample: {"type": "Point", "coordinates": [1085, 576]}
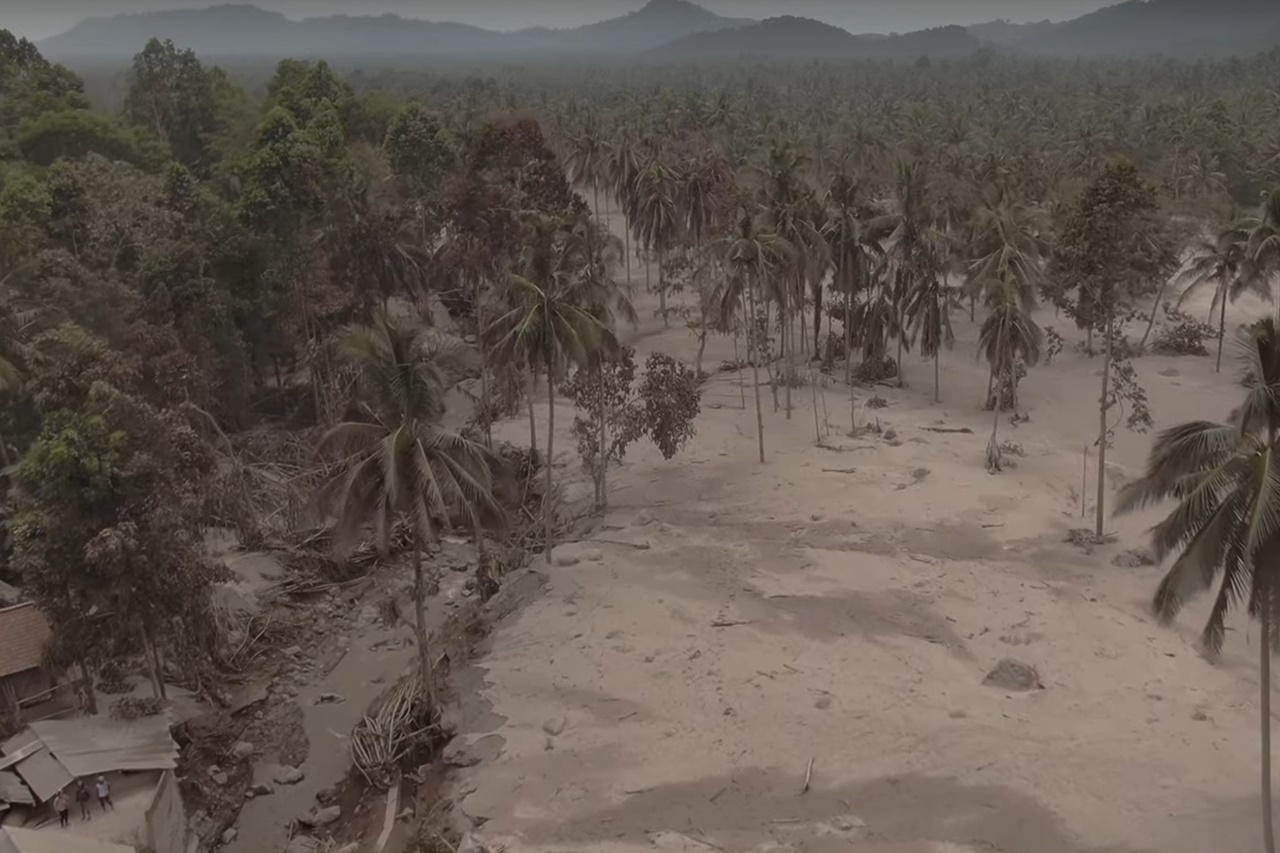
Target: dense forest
{"type": "Point", "coordinates": [217, 285]}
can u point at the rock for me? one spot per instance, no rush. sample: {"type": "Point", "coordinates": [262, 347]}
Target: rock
{"type": "Point", "coordinates": [1199, 716]}
{"type": "Point", "coordinates": [214, 770]}
{"type": "Point", "coordinates": [320, 817]}
{"type": "Point", "coordinates": [229, 834]}
{"type": "Point", "coordinates": [293, 651]}
{"type": "Point", "coordinates": [1010, 674]}
{"type": "Point", "coordinates": [288, 776]}
{"type": "Point", "coordinates": [327, 796]}
{"type": "Point", "coordinates": [219, 778]}
{"type": "Point", "coordinates": [593, 555]}
{"type": "Point", "coordinates": [1134, 558]}
{"type": "Point", "coordinates": [405, 815]}
{"type": "Point", "coordinates": [472, 843]}
{"type": "Point", "coordinates": [459, 754]}
{"type": "Point", "coordinates": [823, 703]}
{"type": "Point", "coordinates": [1169, 371]}
{"type": "Point", "coordinates": [262, 789]}
{"type": "Point", "coordinates": [890, 434]}
{"type": "Point", "coordinates": [249, 794]}
{"type": "Point", "coordinates": [554, 726]}
{"type": "Point", "coordinates": [957, 714]}
{"type": "Point", "coordinates": [330, 699]}
{"type": "Point", "coordinates": [243, 750]}
{"type": "Point", "coordinates": [564, 560]}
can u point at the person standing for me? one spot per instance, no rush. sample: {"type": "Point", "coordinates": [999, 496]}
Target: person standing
{"type": "Point", "coordinates": [61, 806]}
{"type": "Point", "coordinates": [104, 794]}
{"type": "Point", "coordinates": [82, 799]}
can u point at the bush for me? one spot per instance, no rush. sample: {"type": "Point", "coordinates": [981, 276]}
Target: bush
{"type": "Point", "coordinates": [1186, 336]}
{"type": "Point", "coordinates": [133, 708]}
{"type": "Point", "coordinates": [876, 371]}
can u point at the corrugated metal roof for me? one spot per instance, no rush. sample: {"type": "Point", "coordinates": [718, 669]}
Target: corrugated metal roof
{"type": "Point", "coordinates": [42, 773]}
{"type": "Point", "coordinates": [17, 840]}
{"type": "Point", "coordinates": [13, 791]}
{"type": "Point", "coordinates": [92, 745]}
{"type": "Point", "coordinates": [23, 631]}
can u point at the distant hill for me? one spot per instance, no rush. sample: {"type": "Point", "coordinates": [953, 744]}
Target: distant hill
{"type": "Point", "coordinates": [1001, 33]}
{"type": "Point", "coordinates": [677, 30]}
{"type": "Point", "coordinates": [789, 37]}
{"type": "Point", "coordinates": [246, 31]}
{"type": "Point", "coordinates": [1171, 27]}
{"type": "Point", "coordinates": [657, 23]}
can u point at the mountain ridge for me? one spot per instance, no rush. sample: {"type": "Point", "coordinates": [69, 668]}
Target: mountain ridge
{"type": "Point", "coordinates": [677, 30]}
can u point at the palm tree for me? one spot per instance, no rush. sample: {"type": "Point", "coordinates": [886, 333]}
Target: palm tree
{"type": "Point", "coordinates": [397, 463]}
{"type": "Point", "coordinates": [1008, 336]}
{"type": "Point", "coordinates": [1263, 231]}
{"type": "Point", "coordinates": [853, 251]}
{"type": "Point", "coordinates": [1223, 262]}
{"type": "Point", "coordinates": [657, 217]}
{"type": "Point", "coordinates": [1227, 519]}
{"type": "Point", "coordinates": [908, 244]}
{"type": "Point", "coordinates": [586, 162]}
{"type": "Point", "coordinates": [748, 254]}
{"type": "Point", "coordinates": [555, 319]}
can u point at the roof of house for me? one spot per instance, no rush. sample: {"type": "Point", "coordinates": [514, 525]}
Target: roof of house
{"type": "Point", "coordinates": [23, 632]}
{"type": "Point", "coordinates": [90, 745]}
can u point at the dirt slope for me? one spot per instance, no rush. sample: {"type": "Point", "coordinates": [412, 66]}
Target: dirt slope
{"type": "Point", "coordinates": [672, 698]}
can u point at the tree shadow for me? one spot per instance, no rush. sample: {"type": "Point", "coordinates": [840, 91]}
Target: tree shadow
{"type": "Point", "coordinates": [756, 805]}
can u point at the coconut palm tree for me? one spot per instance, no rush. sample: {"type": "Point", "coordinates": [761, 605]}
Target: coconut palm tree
{"type": "Point", "coordinates": [854, 250]}
{"type": "Point", "coordinates": [397, 463]}
{"type": "Point", "coordinates": [1227, 520]}
{"type": "Point", "coordinates": [555, 319]}
{"type": "Point", "coordinates": [748, 255]}
{"type": "Point", "coordinates": [655, 214]}
{"type": "Point", "coordinates": [1263, 230]}
{"type": "Point", "coordinates": [1224, 263]}
{"type": "Point", "coordinates": [1009, 336]}
{"type": "Point", "coordinates": [909, 244]}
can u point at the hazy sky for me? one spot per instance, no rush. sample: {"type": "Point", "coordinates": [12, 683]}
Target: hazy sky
{"type": "Point", "coordinates": [40, 18]}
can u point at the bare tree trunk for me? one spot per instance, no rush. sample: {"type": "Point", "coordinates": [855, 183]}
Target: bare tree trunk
{"type": "Point", "coordinates": [753, 353]}
{"type": "Point", "coordinates": [484, 365]}
{"type": "Point", "coordinates": [425, 663]}
{"type": "Point", "coordinates": [742, 382]}
{"type": "Point", "coordinates": [603, 499]}
{"type": "Point", "coordinates": [547, 502]}
{"type": "Point", "coordinates": [937, 389]}
{"type": "Point", "coordinates": [153, 664]}
{"type": "Point", "coordinates": [1102, 432]}
{"type": "Point", "coordinates": [768, 327]}
{"type": "Point", "coordinates": [662, 292]}
{"type": "Point", "coordinates": [787, 346]}
{"type": "Point", "coordinates": [533, 424]}
{"type": "Point", "coordinates": [86, 683]}
{"type": "Point", "coordinates": [1265, 642]}
{"type": "Point", "coordinates": [1151, 321]}
{"type": "Point", "coordinates": [848, 355]}
{"type": "Point", "coordinates": [817, 320]}
{"type": "Point", "coordinates": [1222, 331]}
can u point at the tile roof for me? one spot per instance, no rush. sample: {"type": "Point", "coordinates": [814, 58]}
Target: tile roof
{"type": "Point", "coordinates": [23, 631]}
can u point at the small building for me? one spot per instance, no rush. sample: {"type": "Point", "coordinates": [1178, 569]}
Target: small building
{"type": "Point", "coordinates": [23, 678]}
{"type": "Point", "coordinates": [137, 759]}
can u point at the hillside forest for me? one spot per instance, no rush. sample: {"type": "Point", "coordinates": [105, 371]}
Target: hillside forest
{"type": "Point", "coordinates": [293, 306]}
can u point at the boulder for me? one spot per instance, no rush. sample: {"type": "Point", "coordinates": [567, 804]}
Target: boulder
{"type": "Point", "coordinates": [288, 776]}
{"type": "Point", "coordinates": [229, 834]}
{"type": "Point", "coordinates": [1010, 674]}
{"type": "Point", "coordinates": [459, 754]}
{"type": "Point", "coordinates": [243, 750]}
{"type": "Point", "coordinates": [316, 817]}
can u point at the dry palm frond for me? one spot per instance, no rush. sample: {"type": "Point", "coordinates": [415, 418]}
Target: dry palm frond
{"type": "Point", "coordinates": [398, 723]}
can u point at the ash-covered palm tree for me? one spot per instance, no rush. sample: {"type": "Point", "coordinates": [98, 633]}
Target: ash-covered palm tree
{"type": "Point", "coordinates": [854, 251]}
{"type": "Point", "coordinates": [1263, 241]}
{"type": "Point", "coordinates": [555, 319]}
{"type": "Point", "coordinates": [748, 255]}
{"type": "Point", "coordinates": [655, 214]}
{"type": "Point", "coordinates": [1224, 263]}
{"type": "Point", "coordinates": [1225, 527]}
{"type": "Point", "coordinates": [397, 463]}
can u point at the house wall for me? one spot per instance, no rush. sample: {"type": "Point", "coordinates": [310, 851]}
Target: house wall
{"type": "Point", "coordinates": [22, 685]}
{"type": "Point", "coordinates": [167, 818]}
